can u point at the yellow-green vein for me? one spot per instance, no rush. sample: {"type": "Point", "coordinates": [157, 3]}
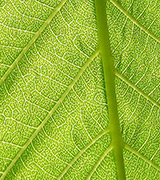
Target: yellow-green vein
{"type": "Point", "coordinates": [109, 77]}
{"type": "Point", "coordinates": [25, 49]}
{"type": "Point", "coordinates": [80, 153]}
{"type": "Point", "coordinates": [49, 114]}
{"type": "Point", "coordinates": [127, 81]}
{"type": "Point", "coordinates": [119, 75]}
{"type": "Point", "coordinates": [141, 156]}
{"type": "Point", "coordinates": [99, 162]}
{"type": "Point", "coordinates": [134, 20]}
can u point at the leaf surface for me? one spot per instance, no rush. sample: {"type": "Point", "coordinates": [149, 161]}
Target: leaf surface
{"type": "Point", "coordinates": [54, 120]}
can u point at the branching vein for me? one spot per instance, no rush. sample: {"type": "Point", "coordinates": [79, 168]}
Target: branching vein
{"type": "Point", "coordinates": [49, 115]}
{"type": "Point", "coordinates": [81, 152]}
{"type": "Point", "coordinates": [25, 49]}
{"type": "Point", "coordinates": [134, 20]}
{"type": "Point", "coordinates": [141, 156]}
{"type": "Point", "coordinates": [136, 88]}
{"type": "Point", "coordinates": [99, 162]}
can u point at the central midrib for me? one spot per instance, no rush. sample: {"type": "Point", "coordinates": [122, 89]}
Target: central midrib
{"type": "Point", "coordinates": [109, 77]}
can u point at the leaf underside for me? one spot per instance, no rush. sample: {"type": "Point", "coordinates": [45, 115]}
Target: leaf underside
{"type": "Point", "coordinates": [54, 113]}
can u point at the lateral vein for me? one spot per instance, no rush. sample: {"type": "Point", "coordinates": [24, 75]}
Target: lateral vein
{"type": "Point", "coordinates": [141, 156]}
{"type": "Point", "coordinates": [81, 152]}
{"type": "Point", "coordinates": [99, 162]}
{"type": "Point", "coordinates": [134, 20]}
{"type": "Point", "coordinates": [119, 75]}
{"type": "Point", "coordinates": [49, 114]}
{"type": "Point", "coordinates": [25, 49]}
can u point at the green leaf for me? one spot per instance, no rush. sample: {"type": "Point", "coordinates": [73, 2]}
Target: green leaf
{"type": "Point", "coordinates": [66, 112]}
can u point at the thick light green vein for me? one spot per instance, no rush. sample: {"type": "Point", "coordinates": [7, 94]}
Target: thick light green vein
{"type": "Point", "coordinates": [146, 96]}
{"type": "Point", "coordinates": [25, 49]}
{"type": "Point", "coordinates": [109, 76]}
{"type": "Point", "coordinates": [141, 156]}
{"type": "Point", "coordinates": [136, 88]}
{"type": "Point", "coordinates": [134, 20]}
{"type": "Point", "coordinates": [99, 162]}
{"type": "Point", "coordinates": [81, 152]}
{"type": "Point", "coordinates": [49, 114]}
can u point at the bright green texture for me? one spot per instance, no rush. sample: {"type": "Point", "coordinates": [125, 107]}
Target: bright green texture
{"type": "Point", "coordinates": [54, 121]}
